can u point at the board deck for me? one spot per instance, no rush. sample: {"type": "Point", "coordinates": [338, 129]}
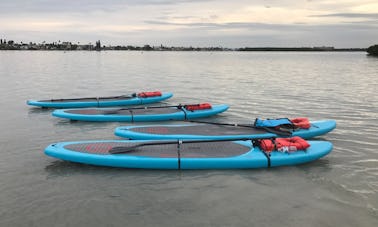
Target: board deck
{"type": "Point", "coordinates": [137, 114]}
{"type": "Point", "coordinates": [213, 131]}
{"type": "Point", "coordinates": [198, 155]}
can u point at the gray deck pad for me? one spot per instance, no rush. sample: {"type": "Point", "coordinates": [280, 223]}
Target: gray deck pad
{"type": "Point", "coordinates": [200, 129]}
{"type": "Point", "coordinates": [186, 150]}
{"type": "Point", "coordinates": [144, 111]}
{"type": "Point", "coordinates": [92, 99]}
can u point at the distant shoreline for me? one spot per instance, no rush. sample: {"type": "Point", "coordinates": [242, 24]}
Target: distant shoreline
{"type": "Point", "coordinates": [257, 49]}
{"type": "Point", "coordinates": [312, 49]}
{"type": "Point", "coordinates": [69, 46]}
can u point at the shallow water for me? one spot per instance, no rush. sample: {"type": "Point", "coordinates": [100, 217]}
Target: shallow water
{"type": "Point", "coordinates": [337, 190]}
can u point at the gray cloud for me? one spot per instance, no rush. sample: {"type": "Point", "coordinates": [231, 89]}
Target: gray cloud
{"type": "Point", "coordinates": [50, 6]}
{"type": "Point", "coordinates": [129, 22]}
{"type": "Point", "coordinates": [350, 15]}
{"type": "Point", "coordinates": [253, 26]}
{"type": "Point", "coordinates": [208, 34]}
{"type": "Point", "coordinates": [268, 35]}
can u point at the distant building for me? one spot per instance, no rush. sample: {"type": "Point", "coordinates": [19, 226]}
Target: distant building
{"type": "Point", "coordinates": [98, 45]}
{"type": "Point", "coordinates": [66, 45]}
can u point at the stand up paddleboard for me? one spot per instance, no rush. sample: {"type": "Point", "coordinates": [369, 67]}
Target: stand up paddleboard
{"type": "Point", "coordinates": [122, 100]}
{"type": "Point", "coordinates": [184, 154]}
{"type": "Point", "coordinates": [214, 131]}
{"type": "Point", "coordinates": [139, 114]}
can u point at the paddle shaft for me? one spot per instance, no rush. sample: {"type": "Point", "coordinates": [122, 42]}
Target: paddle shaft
{"type": "Point", "coordinates": [142, 108]}
{"type": "Point", "coordinates": [124, 149]}
{"type": "Point", "coordinates": [283, 133]}
{"type": "Point", "coordinates": [226, 124]}
{"type": "Point", "coordinates": [78, 99]}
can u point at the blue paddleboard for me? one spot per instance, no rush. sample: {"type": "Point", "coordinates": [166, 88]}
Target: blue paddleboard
{"type": "Point", "coordinates": [182, 155]}
{"type": "Point", "coordinates": [140, 114]}
{"type": "Point", "coordinates": [122, 100]}
{"type": "Point", "coordinates": [214, 131]}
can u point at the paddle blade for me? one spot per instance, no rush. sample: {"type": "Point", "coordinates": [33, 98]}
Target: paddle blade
{"type": "Point", "coordinates": [123, 149]}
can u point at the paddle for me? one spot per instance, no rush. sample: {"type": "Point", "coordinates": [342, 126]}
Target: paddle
{"type": "Point", "coordinates": [97, 98]}
{"type": "Point", "coordinates": [188, 107]}
{"type": "Point", "coordinates": [226, 124]}
{"type": "Point", "coordinates": [124, 149]}
{"type": "Point", "coordinates": [142, 108]}
{"type": "Point", "coordinates": [283, 133]}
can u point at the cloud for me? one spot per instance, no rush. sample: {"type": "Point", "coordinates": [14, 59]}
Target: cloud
{"type": "Point", "coordinates": [53, 6]}
{"type": "Point", "coordinates": [350, 15]}
{"type": "Point", "coordinates": [261, 26]}
{"type": "Point", "coordinates": [193, 22]}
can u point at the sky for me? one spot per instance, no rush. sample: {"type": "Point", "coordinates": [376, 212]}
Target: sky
{"type": "Point", "coordinates": [196, 23]}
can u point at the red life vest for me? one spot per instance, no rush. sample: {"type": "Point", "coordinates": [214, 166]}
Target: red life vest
{"type": "Point", "coordinates": [267, 145]}
{"type": "Point", "coordinates": [301, 122]}
{"type": "Point", "coordinates": [149, 94]}
{"type": "Point", "coordinates": [201, 106]}
{"type": "Point", "coordinates": [284, 144]}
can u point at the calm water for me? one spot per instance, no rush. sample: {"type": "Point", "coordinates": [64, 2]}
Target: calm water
{"type": "Point", "coordinates": [338, 190]}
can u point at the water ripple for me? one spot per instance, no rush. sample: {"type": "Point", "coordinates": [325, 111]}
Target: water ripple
{"type": "Point", "coordinates": [340, 86]}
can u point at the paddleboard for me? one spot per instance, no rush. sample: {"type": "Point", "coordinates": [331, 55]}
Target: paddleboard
{"type": "Point", "coordinates": [214, 131]}
{"type": "Point", "coordinates": [182, 155]}
{"type": "Point", "coordinates": [122, 100]}
{"type": "Point", "coordinates": [157, 113]}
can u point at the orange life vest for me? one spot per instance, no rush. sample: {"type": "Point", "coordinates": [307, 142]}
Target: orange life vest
{"type": "Point", "coordinates": [201, 106]}
{"type": "Point", "coordinates": [301, 122]}
{"type": "Point", "coordinates": [284, 144]}
{"type": "Point", "coordinates": [149, 94]}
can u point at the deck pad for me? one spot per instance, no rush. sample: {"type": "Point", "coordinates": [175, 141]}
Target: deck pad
{"type": "Point", "coordinates": [88, 99]}
{"type": "Point", "coordinates": [198, 129]}
{"type": "Point", "coordinates": [123, 111]}
{"type": "Point", "coordinates": [198, 150]}
{"type": "Point", "coordinates": [216, 131]}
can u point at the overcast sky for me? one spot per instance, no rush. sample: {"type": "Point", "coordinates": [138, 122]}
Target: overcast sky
{"type": "Point", "coordinates": [197, 23]}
